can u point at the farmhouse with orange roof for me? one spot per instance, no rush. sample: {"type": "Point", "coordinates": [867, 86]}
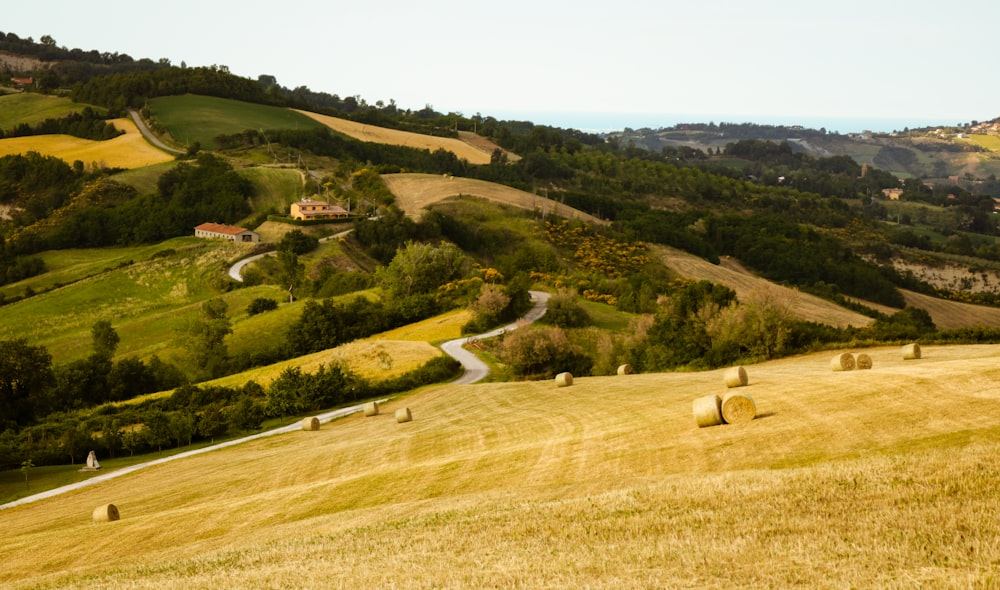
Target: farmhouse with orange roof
{"type": "Point", "coordinates": [314, 209]}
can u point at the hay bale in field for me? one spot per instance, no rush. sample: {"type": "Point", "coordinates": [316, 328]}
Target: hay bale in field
{"type": "Point", "coordinates": [310, 423]}
{"type": "Point", "coordinates": [707, 410]}
{"type": "Point", "coordinates": [564, 379]}
{"type": "Point", "coordinates": [738, 408]}
{"type": "Point", "coordinates": [911, 351]}
{"type": "Point", "coordinates": [403, 415]}
{"type": "Point", "coordinates": [106, 513]}
{"type": "Point", "coordinates": [625, 369]}
{"type": "Point", "coordinates": [863, 361]}
{"type": "Point", "coordinates": [843, 362]}
{"type": "Point", "coordinates": [735, 377]}
{"type": "Point", "coordinates": [371, 409]}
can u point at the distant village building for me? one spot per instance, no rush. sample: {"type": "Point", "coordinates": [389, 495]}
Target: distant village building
{"type": "Point", "coordinates": [22, 81]}
{"type": "Point", "coordinates": [225, 232]}
{"type": "Point", "coordinates": [307, 209]}
{"type": "Point", "coordinates": [892, 194]}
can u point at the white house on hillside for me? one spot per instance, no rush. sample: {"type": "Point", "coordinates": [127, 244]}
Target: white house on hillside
{"type": "Point", "coordinates": [225, 232]}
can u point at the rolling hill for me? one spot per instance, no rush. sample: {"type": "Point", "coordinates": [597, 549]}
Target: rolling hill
{"type": "Point", "coordinates": [476, 151]}
{"type": "Point", "coordinates": [128, 151]}
{"type": "Point", "coordinates": [415, 192]}
{"type": "Point", "coordinates": [861, 478]}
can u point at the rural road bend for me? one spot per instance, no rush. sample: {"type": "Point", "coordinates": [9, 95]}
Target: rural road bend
{"type": "Point", "coordinates": [149, 134]}
{"type": "Point", "coordinates": [236, 270]}
{"type": "Point", "coordinates": [475, 369]}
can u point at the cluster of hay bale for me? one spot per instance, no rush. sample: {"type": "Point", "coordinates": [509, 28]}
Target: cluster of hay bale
{"type": "Point", "coordinates": [402, 414]}
{"type": "Point", "coordinates": [848, 362]}
{"type": "Point", "coordinates": [732, 408]}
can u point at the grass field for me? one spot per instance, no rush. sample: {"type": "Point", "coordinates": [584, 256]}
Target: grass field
{"type": "Point", "coordinates": [989, 142]}
{"type": "Point", "coordinates": [192, 118]}
{"type": "Point", "coordinates": [125, 151]}
{"type": "Point", "coordinates": [415, 192]}
{"type": "Point", "coordinates": [275, 188]}
{"type": "Point", "coordinates": [476, 150]}
{"type": "Point", "coordinates": [883, 478]}
{"type": "Point", "coordinates": [147, 301]}
{"type": "Point", "coordinates": [31, 108]}
{"type": "Point", "coordinates": [144, 179]}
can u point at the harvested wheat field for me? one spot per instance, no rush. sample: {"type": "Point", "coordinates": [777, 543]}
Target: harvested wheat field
{"type": "Point", "coordinates": [476, 152]}
{"type": "Point", "coordinates": [869, 479]}
{"type": "Point", "coordinates": [733, 275]}
{"type": "Point", "coordinates": [415, 192]}
{"type": "Point", "coordinates": [125, 151]}
{"type": "Point", "coordinates": [949, 315]}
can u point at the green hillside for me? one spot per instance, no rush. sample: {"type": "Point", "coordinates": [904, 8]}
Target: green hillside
{"type": "Point", "coordinates": [192, 118]}
{"type": "Point", "coordinates": [30, 109]}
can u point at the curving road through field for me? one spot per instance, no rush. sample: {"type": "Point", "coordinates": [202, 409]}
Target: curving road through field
{"type": "Point", "coordinates": [475, 369]}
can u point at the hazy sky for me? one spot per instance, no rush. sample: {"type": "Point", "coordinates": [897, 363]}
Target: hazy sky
{"type": "Point", "coordinates": [849, 58]}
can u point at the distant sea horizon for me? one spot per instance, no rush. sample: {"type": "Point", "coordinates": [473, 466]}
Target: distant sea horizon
{"type": "Point", "coordinates": [610, 122]}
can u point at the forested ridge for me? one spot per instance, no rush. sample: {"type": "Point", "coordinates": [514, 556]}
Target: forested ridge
{"type": "Point", "coordinates": [819, 224]}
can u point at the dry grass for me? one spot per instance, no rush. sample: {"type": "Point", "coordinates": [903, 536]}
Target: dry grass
{"type": "Point", "coordinates": [733, 275]}
{"type": "Point", "coordinates": [870, 479]}
{"type": "Point", "coordinates": [947, 315]}
{"type": "Point", "coordinates": [950, 315]}
{"type": "Point", "coordinates": [476, 151]}
{"type": "Point", "coordinates": [415, 192]}
{"type": "Point", "coordinates": [126, 151]}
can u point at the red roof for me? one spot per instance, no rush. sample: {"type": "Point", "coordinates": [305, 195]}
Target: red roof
{"type": "Point", "coordinates": [220, 228]}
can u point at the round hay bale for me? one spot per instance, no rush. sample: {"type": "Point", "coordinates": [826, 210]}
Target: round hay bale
{"type": "Point", "coordinates": [843, 362]}
{"type": "Point", "coordinates": [738, 408]}
{"type": "Point", "coordinates": [625, 370]}
{"type": "Point", "coordinates": [911, 351]}
{"type": "Point", "coordinates": [863, 361]}
{"type": "Point", "coordinates": [735, 377]}
{"type": "Point", "coordinates": [564, 379]}
{"type": "Point", "coordinates": [403, 415]}
{"type": "Point", "coordinates": [707, 410]}
{"type": "Point", "coordinates": [106, 513]}
{"type": "Point", "coordinates": [371, 409]}
{"type": "Point", "coordinates": [310, 423]}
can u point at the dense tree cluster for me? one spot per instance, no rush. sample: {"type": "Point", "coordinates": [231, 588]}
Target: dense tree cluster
{"type": "Point", "coordinates": [87, 124]}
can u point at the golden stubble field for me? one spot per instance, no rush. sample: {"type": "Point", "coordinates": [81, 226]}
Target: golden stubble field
{"type": "Point", "coordinates": [415, 192]}
{"type": "Point", "coordinates": [884, 478]}
{"type": "Point", "coordinates": [129, 151]}
{"type": "Point", "coordinates": [468, 146]}
{"type": "Point", "coordinates": [947, 315]}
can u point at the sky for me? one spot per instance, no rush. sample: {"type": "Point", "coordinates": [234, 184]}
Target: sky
{"type": "Point", "coordinates": [739, 61]}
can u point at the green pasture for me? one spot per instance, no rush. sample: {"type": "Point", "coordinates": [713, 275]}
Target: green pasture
{"type": "Point", "coordinates": [275, 188]}
{"type": "Point", "coordinates": [144, 179]}
{"type": "Point", "coordinates": [192, 118]}
{"type": "Point", "coordinates": [989, 142]}
{"type": "Point", "coordinates": [147, 300]}
{"type": "Point", "coordinates": [33, 108]}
